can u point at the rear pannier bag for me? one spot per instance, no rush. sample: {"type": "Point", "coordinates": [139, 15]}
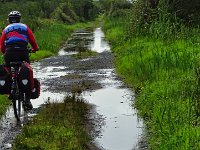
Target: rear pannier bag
{"type": "Point", "coordinates": [5, 80]}
{"type": "Point", "coordinates": [35, 92]}
{"type": "Point", "coordinates": [25, 78]}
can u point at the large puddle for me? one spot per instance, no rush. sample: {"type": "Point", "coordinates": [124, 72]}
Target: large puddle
{"type": "Point", "coordinates": [99, 44]}
{"type": "Point", "coordinates": [122, 129]}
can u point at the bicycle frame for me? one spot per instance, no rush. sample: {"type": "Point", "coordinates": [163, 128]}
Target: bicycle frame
{"type": "Point", "coordinates": [18, 98]}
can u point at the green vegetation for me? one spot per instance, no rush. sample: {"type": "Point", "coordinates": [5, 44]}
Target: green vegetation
{"type": "Point", "coordinates": [157, 53]}
{"type": "Point", "coordinates": [63, 11]}
{"type": "Point", "coordinates": [58, 126]}
{"type": "Point", "coordinates": [4, 104]}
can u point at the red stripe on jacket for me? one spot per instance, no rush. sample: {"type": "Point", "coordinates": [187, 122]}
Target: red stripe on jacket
{"type": "Point", "coordinates": [31, 38]}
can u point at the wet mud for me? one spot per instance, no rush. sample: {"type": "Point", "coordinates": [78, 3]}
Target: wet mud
{"type": "Point", "coordinates": [79, 73]}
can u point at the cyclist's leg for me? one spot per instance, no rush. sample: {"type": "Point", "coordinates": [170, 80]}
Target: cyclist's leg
{"type": "Point", "coordinates": [8, 56]}
{"type": "Point", "coordinates": [28, 103]}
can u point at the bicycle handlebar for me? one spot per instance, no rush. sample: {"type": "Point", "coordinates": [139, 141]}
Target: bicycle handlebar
{"type": "Point", "coordinates": [30, 50]}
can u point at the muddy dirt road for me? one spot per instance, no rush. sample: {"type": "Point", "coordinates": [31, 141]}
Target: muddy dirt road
{"type": "Point", "coordinates": [119, 128]}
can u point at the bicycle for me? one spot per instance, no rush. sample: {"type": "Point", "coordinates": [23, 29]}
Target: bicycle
{"type": "Point", "coordinates": [17, 97]}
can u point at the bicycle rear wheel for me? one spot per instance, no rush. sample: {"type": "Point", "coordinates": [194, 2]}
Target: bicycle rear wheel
{"type": "Point", "coordinates": [17, 107]}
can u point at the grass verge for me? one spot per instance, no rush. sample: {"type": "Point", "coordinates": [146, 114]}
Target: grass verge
{"type": "Point", "coordinates": [57, 126]}
{"type": "Point", "coordinates": [165, 75]}
{"type": "Point", "coordinates": [4, 101]}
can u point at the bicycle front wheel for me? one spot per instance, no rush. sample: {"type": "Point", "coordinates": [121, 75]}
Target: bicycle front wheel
{"type": "Point", "coordinates": [17, 105]}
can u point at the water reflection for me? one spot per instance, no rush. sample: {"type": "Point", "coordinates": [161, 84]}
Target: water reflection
{"type": "Point", "coordinates": [47, 96]}
{"type": "Point", "coordinates": [99, 44]}
{"type": "Point", "coordinates": [121, 131]}
{"type": "Point", "coordinates": [48, 72]}
{"type": "Point", "coordinates": [63, 52]}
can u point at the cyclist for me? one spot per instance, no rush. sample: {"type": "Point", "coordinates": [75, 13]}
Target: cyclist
{"type": "Point", "coordinates": [14, 41]}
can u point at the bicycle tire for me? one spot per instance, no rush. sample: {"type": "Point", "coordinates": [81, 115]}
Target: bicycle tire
{"type": "Point", "coordinates": [17, 104]}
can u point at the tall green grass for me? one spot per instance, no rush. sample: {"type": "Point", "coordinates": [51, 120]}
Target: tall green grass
{"type": "Point", "coordinates": [60, 125]}
{"type": "Point", "coordinates": [4, 101]}
{"type": "Point", "coordinates": [163, 68]}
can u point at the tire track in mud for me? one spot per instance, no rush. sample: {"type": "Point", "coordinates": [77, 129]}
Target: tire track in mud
{"type": "Point", "coordinates": [9, 128]}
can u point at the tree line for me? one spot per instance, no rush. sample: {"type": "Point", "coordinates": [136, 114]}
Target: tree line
{"type": "Point", "coordinates": [141, 13]}
{"type": "Point", "coordinates": [185, 10]}
{"type": "Point", "coordinates": [64, 11]}
{"type": "Point", "coordinates": [145, 15]}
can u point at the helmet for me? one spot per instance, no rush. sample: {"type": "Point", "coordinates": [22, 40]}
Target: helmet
{"type": "Point", "coordinates": [14, 16]}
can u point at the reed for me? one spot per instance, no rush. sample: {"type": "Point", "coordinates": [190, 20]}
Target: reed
{"type": "Point", "coordinates": [163, 68]}
{"type": "Point", "coordinates": [60, 125]}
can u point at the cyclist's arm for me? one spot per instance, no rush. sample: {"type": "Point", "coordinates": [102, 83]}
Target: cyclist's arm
{"type": "Point", "coordinates": [2, 44]}
{"type": "Point", "coordinates": [32, 40]}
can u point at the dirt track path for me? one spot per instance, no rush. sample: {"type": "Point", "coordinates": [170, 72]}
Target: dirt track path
{"type": "Point", "coordinates": [62, 74]}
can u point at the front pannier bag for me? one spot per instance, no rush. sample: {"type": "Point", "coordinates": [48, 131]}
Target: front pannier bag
{"type": "Point", "coordinates": [35, 92]}
{"type": "Point", "coordinates": [5, 80]}
{"type": "Point", "coordinates": [25, 77]}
